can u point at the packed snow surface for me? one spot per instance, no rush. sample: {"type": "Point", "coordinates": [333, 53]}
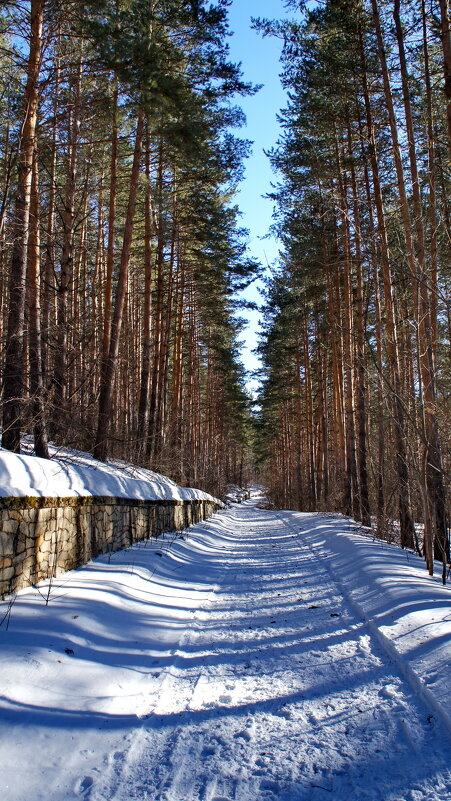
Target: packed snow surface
{"type": "Point", "coordinates": [263, 656]}
{"type": "Point", "coordinates": [72, 473]}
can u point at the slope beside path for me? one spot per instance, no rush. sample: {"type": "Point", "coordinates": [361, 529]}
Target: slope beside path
{"type": "Point", "coordinates": [71, 473]}
{"type": "Point", "coordinates": [246, 661]}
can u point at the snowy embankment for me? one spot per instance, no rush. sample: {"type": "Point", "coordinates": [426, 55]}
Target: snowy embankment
{"type": "Point", "coordinates": [75, 474]}
{"type": "Point", "coordinates": [408, 610]}
{"type": "Point", "coordinates": [244, 661]}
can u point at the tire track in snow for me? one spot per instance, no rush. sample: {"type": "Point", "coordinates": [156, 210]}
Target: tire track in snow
{"type": "Point", "coordinates": [279, 691]}
{"type": "Point", "coordinates": [170, 694]}
{"type": "Point", "coordinates": [417, 686]}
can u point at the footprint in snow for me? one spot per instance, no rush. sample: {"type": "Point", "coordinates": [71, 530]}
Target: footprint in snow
{"type": "Point", "coordinates": [245, 734]}
{"type": "Point", "coordinates": [269, 784]}
{"type": "Point", "coordinates": [390, 691]}
{"type": "Point", "coordinates": [85, 786]}
{"type": "Point", "coordinates": [32, 662]}
{"type": "Point", "coordinates": [284, 713]}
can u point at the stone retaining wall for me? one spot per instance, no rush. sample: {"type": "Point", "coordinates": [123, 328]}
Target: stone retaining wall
{"type": "Point", "coordinates": [44, 537]}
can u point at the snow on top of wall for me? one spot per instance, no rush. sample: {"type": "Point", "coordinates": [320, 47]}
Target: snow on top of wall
{"type": "Point", "coordinates": [73, 473]}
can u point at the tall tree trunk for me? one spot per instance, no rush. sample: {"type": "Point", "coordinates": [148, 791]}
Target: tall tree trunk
{"type": "Point", "coordinates": [380, 481]}
{"type": "Point", "coordinates": [351, 500]}
{"type": "Point", "coordinates": [143, 407]}
{"type": "Point", "coordinates": [14, 358]}
{"type": "Point", "coordinates": [163, 370]}
{"type": "Point", "coordinates": [337, 384]}
{"type": "Point", "coordinates": [111, 231]}
{"type": "Point", "coordinates": [434, 468]}
{"type": "Point", "coordinates": [433, 222]}
{"type": "Point", "coordinates": [158, 319]}
{"type": "Point", "coordinates": [8, 167]}
{"type": "Point", "coordinates": [309, 425]}
{"type": "Point", "coordinates": [48, 272]}
{"type": "Point", "coordinates": [445, 20]}
{"type": "Point", "coordinates": [405, 515]}
{"type": "Point", "coordinates": [66, 267]}
{"type": "Point", "coordinates": [34, 334]}
{"type": "Point", "coordinates": [110, 366]}
{"type": "Point", "coordinates": [177, 379]}
{"type": "Point", "coordinates": [360, 390]}
{"type": "Point", "coordinates": [300, 428]}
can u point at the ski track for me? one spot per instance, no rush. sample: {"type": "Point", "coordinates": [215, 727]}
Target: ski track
{"type": "Point", "coordinates": [278, 691]}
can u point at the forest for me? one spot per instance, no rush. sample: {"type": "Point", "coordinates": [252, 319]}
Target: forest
{"type": "Point", "coordinates": [356, 343]}
{"type": "Point", "coordinates": [122, 254]}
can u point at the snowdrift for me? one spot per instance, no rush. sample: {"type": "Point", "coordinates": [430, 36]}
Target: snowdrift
{"type": "Point", "coordinates": [407, 610]}
{"type": "Point", "coordinates": [74, 474]}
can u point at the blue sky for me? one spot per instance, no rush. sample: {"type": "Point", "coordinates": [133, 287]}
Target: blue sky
{"type": "Point", "coordinates": [260, 63]}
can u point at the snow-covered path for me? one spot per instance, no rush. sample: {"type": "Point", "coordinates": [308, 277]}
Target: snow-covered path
{"type": "Point", "coordinates": [237, 672]}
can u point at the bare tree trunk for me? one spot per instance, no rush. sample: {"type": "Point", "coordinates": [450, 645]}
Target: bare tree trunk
{"type": "Point", "coordinates": [177, 379]}
{"type": "Point", "coordinates": [300, 426]}
{"type": "Point", "coordinates": [434, 468]}
{"type": "Point", "coordinates": [360, 390]}
{"type": "Point", "coordinates": [433, 222]}
{"type": "Point", "coordinates": [143, 408]}
{"type": "Point", "coordinates": [110, 366]}
{"type": "Point", "coordinates": [66, 269]}
{"type": "Point", "coordinates": [309, 427]}
{"type": "Point", "coordinates": [8, 166]}
{"type": "Point", "coordinates": [34, 334]}
{"type": "Point", "coordinates": [111, 232]}
{"type": "Point", "coordinates": [337, 384]}
{"type": "Point", "coordinates": [14, 358]}
{"type": "Point", "coordinates": [405, 515]}
{"type": "Point", "coordinates": [446, 46]}
{"type": "Point", "coordinates": [158, 320]}
{"type": "Point", "coordinates": [380, 488]}
{"type": "Point", "coordinates": [162, 399]}
{"type": "Point", "coordinates": [351, 500]}
{"type": "Point", "coordinates": [48, 272]}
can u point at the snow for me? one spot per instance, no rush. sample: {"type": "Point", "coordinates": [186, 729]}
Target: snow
{"type": "Point", "coordinates": [407, 610]}
{"type": "Point", "coordinates": [72, 473]}
{"type": "Point", "coordinates": [262, 656]}
{"type": "Point", "coordinates": [236, 495]}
